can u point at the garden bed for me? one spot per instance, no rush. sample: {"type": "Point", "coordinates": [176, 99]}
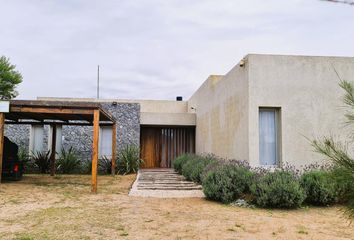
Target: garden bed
{"type": "Point", "coordinates": [43, 207]}
{"type": "Point", "coordinates": [228, 181]}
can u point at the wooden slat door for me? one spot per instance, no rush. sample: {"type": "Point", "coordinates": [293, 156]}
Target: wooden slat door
{"type": "Point", "coordinates": [149, 148]}
{"type": "Point", "coordinates": [159, 146]}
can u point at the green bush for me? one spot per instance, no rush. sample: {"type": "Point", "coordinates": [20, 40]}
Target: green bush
{"type": "Point", "coordinates": [25, 158]}
{"type": "Point", "coordinates": [345, 187]}
{"type": "Point", "coordinates": [41, 160]}
{"type": "Point", "coordinates": [68, 161]}
{"type": "Point", "coordinates": [105, 165]}
{"type": "Point", "coordinates": [193, 168]}
{"type": "Point", "coordinates": [320, 187]}
{"type": "Point", "coordinates": [180, 161]}
{"type": "Point", "coordinates": [129, 160]}
{"type": "Point", "coordinates": [87, 166]}
{"type": "Point", "coordinates": [227, 182]}
{"type": "Point", "coordinates": [279, 189]}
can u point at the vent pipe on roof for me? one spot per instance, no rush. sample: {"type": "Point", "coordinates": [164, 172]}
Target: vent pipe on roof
{"type": "Point", "coordinates": [179, 98]}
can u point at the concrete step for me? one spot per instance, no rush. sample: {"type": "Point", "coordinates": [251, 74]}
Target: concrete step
{"type": "Point", "coordinates": [167, 182]}
{"type": "Point", "coordinates": [164, 183]}
{"type": "Point", "coordinates": [166, 189]}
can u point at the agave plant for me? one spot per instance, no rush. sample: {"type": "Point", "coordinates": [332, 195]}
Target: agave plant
{"type": "Point", "coordinates": [24, 157]}
{"type": "Point", "coordinates": [105, 165]}
{"type": "Point", "coordinates": [41, 160]}
{"type": "Point", "coordinates": [68, 161]}
{"type": "Point", "coordinates": [129, 160]}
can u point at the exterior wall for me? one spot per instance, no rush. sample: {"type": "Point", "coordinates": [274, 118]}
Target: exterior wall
{"type": "Point", "coordinates": [306, 89]}
{"type": "Point", "coordinates": [80, 137]}
{"type": "Point", "coordinates": [19, 134]}
{"type": "Point", "coordinates": [168, 119]}
{"type": "Point", "coordinates": [221, 107]}
{"type": "Point", "coordinates": [225, 109]}
{"type": "Point", "coordinates": [153, 112]}
{"type": "Point", "coordinates": [152, 106]}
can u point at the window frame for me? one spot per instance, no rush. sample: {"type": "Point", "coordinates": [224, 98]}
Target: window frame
{"type": "Point", "coordinates": [278, 133]}
{"type": "Point", "coordinates": [32, 141]}
{"type": "Point", "coordinates": [100, 141]}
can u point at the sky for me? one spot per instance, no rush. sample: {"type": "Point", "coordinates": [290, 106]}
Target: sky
{"type": "Point", "coordinates": [158, 49]}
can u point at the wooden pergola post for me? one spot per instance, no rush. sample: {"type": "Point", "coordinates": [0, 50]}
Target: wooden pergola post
{"type": "Point", "coordinates": [96, 131]}
{"type": "Point", "coordinates": [114, 148]}
{"type": "Point", "coordinates": [2, 127]}
{"type": "Point", "coordinates": [53, 150]}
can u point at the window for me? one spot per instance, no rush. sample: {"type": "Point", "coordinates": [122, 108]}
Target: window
{"type": "Point", "coordinates": [268, 136]}
{"type": "Point", "coordinates": [36, 139]}
{"type": "Point", "coordinates": [58, 141]}
{"type": "Point", "coordinates": [105, 142]}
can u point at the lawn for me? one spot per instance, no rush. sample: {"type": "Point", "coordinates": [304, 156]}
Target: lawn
{"type": "Point", "coordinates": [43, 207]}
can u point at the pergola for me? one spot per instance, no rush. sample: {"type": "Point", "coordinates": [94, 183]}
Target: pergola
{"type": "Point", "coordinates": [61, 113]}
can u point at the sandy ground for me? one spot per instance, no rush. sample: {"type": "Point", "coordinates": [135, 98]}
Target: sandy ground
{"type": "Point", "coordinates": [41, 207]}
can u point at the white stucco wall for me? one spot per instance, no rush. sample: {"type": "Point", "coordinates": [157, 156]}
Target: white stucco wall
{"type": "Point", "coordinates": [306, 89]}
{"type": "Point", "coordinates": [225, 108]}
{"type": "Point", "coordinates": [221, 107]}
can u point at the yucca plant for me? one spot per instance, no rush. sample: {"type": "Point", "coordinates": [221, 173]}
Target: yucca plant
{"type": "Point", "coordinates": [68, 161]}
{"type": "Point", "coordinates": [105, 165]}
{"type": "Point", "coordinates": [24, 157]}
{"type": "Point", "coordinates": [41, 160]}
{"type": "Point", "coordinates": [338, 153]}
{"type": "Point", "coordinates": [129, 160]}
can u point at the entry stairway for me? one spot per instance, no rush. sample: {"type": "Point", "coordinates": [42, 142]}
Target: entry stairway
{"type": "Point", "coordinates": [164, 182]}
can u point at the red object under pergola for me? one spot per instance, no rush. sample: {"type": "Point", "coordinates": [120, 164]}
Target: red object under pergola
{"type": "Point", "coordinates": [56, 113]}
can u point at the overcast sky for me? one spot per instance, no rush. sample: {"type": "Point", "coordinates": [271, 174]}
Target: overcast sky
{"type": "Point", "coordinates": [158, 49]}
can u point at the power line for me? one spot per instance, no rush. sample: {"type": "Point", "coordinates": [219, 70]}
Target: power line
{"type": "Point", "coordinates": [341, 1]}
{"type": "Point", "coordinates": [98, 81]}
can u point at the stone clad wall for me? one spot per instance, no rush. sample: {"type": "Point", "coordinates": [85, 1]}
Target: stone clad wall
{"type": "Point", "coordinates": [19, 134]}
{"type": "Point", "coordinates": [80, 137]}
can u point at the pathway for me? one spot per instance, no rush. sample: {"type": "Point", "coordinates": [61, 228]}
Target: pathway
{"type": "Point", "coordinates": [164, 183]}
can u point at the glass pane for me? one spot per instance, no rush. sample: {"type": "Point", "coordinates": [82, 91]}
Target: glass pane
{"type": "Point", "coordinates": [37, 138]}
{"type": "Point", "coordinates": [105, 142]}
{"type": "Point", "coordinates": [267, 137]}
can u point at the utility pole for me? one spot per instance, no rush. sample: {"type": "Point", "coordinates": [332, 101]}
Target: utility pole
{"type": "Point", "coordinates": [98, 81]}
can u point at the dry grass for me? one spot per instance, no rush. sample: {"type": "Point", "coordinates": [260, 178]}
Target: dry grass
{"type": "Point", "coordinates": [41, 207]}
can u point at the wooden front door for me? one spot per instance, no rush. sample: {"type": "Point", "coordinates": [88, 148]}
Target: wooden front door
{"type": "Point", "coordinates": [148, 150]}
{"type": "Point", "coordinates": [159, 146]}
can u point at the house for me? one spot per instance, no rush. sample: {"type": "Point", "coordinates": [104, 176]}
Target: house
{"type": "Point", "coordinates": [265, 111]}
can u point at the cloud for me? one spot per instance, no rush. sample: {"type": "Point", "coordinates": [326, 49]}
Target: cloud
{"type": "Point", "coordinates": [158, 49]}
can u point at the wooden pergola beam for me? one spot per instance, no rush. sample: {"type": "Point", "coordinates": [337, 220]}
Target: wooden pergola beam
{"type": "Point", "coordinates": [114, 148]}
{"type": "Point", "coordinates": [62, 113]}
{"type": "Point", "coordinates": [53, 150]}
{"type": "Point", "coordinates": [2, 128]}
{"type": "Point", "coordinates": [51, 110]}
{"type": "Point", "coordinates": [96, 132]}
{"type": "Point", "coordinates": [59, 123]}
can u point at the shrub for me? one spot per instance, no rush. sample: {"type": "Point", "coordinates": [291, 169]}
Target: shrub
{"type": "Point", "coordinates": [180, 161]}
{"type": "Point", "coordinates": [337, 152]}
{"type": "Point", "coordinates": [194, 167]}
{"type": "Point", "coordinates": [129, 160]}
{"type": "Point", "coordinates": [344, 185]}
{"type": "Point", "coordinates": [320, 187]}
{"type": "Point", "coordinates": [41, 160]}
{"type": "Point", "coordinates": [68, 161]}
{"type": "Point", "coordinates": [226, 182]}
{"type": "Point", "coordinates": [24, 157]}
{"type": "Point", "coordinates": [279, 189]}
{"type": "Point", "coordinates": [105, 165]}
{"type": "Point", "coordinates": [87, 166]}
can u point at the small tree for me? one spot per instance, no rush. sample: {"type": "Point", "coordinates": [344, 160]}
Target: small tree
{"type": "Point", "coordinates": [338, 152]}
{"type": "Point", "coordinates": [9, 79]}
